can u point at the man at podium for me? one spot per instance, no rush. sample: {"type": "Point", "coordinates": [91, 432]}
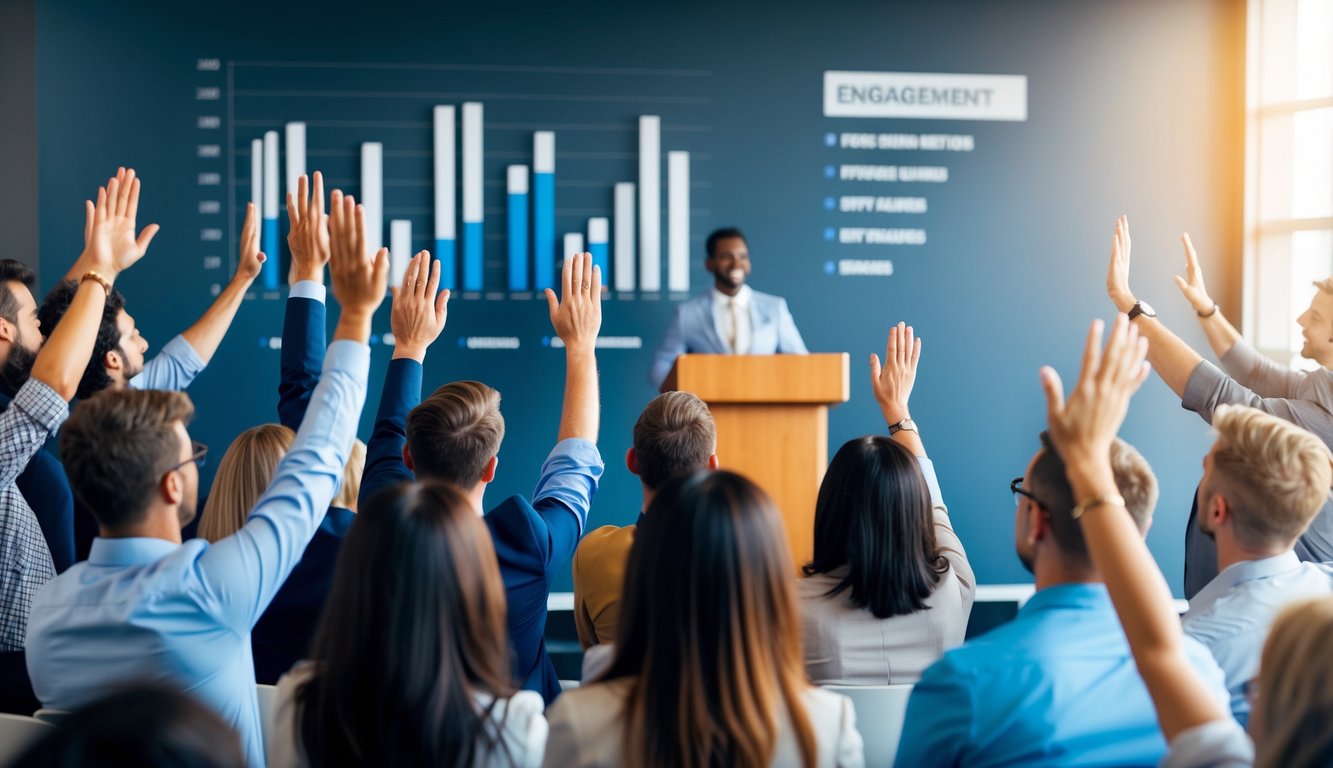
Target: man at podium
{"type": "Point", "coordinates": [732, 318]}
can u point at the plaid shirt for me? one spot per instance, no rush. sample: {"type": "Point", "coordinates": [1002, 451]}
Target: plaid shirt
{"type": "Point", "coordinates": [25, 562]}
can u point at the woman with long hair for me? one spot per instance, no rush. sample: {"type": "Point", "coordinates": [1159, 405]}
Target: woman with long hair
{"type": "Point", "coordinates": [889, 589]}
{"type": "Point", "coordinates": [707, 668]}
{"type": "Point", "coordinates": [410, 663]}
{"type": "Point", "coordinates": [243, 474]}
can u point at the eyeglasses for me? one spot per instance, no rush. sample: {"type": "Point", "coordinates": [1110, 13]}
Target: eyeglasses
{"type": "Point", "coordinates": [1019, 492]}
{"type": "Point", "coordinates": [198, 455]}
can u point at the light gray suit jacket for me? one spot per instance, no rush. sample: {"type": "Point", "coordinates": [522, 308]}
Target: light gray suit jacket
{"type": "Point", "coordinates": [694, 331]}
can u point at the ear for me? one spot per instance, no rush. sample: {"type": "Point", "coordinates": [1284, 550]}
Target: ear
{"type": "Point", "coordinates": [631, 462]}
{"type": "Point", "coordinates": [171, 488]}
{"type": "Point", "coordinates": [407, 458]}
{"type": "Point", "coordinates": [1218, 511]}
{"type": "Point", "coordinates": [488, 474]}
{"type": "Point", "coordinates": [112, 362]}
{"type": "Point", "coordinates": [713, 463]}
{"type": "Point", "coordinates": [7, 330]}
{"type": "Point", "coordinates": [1039, 526]}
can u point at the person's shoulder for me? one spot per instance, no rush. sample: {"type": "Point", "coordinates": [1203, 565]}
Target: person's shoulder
{"type": "Point", "coordinates": [600, 702]}
{"type": "Point", "coordinates": [606, 540]}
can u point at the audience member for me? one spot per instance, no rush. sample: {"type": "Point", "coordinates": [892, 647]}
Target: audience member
{"type": "Point", "coordinates": [410, 664]}
{"type": "Point", "coordinates": [352, 471]}
{"type": "Point", "coordinates": [889, 589]}
{"type": "Point", "coordinates": [707, 667]}
{"type": "Point", "coordinates": [243, 475]}
{"type": "Point", "coordinates": [1304, 398]}
{"type": "Point", "coordinates": [149, 726]}
{"type": "Point", "coordinates": [1294, 695]}
{"type": "Point", "coordinates": [1056, 685]}
{"type": "Point", "coordinates": [455, 434]}
{"type": "Point", "coordinates": [1264, 480]}
{"type": "Point", "coordinates": [146, 607]}
{"type": "Point", "coordinates": [674, 435]}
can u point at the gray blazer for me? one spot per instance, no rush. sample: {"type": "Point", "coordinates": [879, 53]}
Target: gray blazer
{"type": "Point", "coordinates": [693, 331]}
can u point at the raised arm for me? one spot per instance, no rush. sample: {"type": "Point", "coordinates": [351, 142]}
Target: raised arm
{"type": "Point", "coordinates": [1082, 430]}
{"type": "Point", "coordinates": [892, 384]}
{"type": "Point", "coordinates": [303, 328]}
{"type": "Point", "coordinates": [577, 317]}
{"type": "Point", "coordinates": [208, 331]}
{"type": "Point", "coordinates": [126, 250]}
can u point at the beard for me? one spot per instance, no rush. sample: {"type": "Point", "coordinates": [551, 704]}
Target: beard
{"type": "Point", "coordinates": [129, 370]}
{"type": "Point", "coordinates": [17, 367]}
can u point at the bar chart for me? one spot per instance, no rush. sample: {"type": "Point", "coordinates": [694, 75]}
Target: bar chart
{"type": "Point", "coordinates": [422, 163]}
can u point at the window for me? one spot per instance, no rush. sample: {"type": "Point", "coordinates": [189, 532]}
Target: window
{"type": "Point", "coordinates": [1288, 168]}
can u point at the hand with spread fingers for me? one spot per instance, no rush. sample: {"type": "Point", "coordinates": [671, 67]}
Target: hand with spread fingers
{"type": "Point", "coordinates": [110, 245]}
{"type": "Point", "coordinates": [360, 279]}
{"type": "Point", "coordinates": [308, 237]}
{"type": "Point", "coordinates": [419, 308]}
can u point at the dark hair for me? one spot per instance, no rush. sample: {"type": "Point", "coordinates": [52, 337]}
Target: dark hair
{"type": "Point", "coordinates": [144, 725]}
{"type": "Point", "coordinates": [710, 245]}
{"type": "Point", "coordinates": [455, 432]}
{"type": "Point", "coordinates": [1134, 480]}
{"type": "Point", "coordinates": [874, 517]}
{"type": "Point", "coordinates": [56, 304]}
{"type": "Point", "coordinates": [12, 271]}
{"type": "Point", "coordinates": [709, 629]}
{"type": "Point", "coordinates": [674, 435]}
{"type": "Point", "coordinates": [115, 447]}
{"type": "Point", "coordinates": [413, 627]}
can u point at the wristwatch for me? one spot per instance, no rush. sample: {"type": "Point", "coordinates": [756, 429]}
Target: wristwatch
{"type": "Point", "coordinates": [1141, 308]}
{"type": "Point", "coordinates": [906, 424]}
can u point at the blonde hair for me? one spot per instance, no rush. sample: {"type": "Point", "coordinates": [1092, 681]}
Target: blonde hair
{"type": "Point", "coordinates": [1295, 704]}
{"type": "Point", "coordinates": [243, 475]}
{"type": "Point", "coordinates": [1274, 475]}
{"type": "Point", "coordinates": [351, 487]}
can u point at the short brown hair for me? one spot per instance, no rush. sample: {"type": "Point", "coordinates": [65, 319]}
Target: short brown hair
{"type": "Point", "coordinates": [674, 435]}
{"type": "Point", "coordinates": [1134, 479]}
{"type": "Point", "coordinates": [1274, 475]}
{"type": "Point", "coordinates": [115, 447]}
{"type": "Point", "coordinates": [454, 433]}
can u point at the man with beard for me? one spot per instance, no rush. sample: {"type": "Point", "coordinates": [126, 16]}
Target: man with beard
{"type": "Point", "coordinates": [731, 319]}
{"type": "Point", "coordinates": [1057, 685]}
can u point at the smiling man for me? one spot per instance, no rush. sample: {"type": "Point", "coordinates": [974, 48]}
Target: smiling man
{"type": "Point", "coordinates": [732, 318]}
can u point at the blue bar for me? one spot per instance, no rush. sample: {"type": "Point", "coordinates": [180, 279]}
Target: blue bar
{"type": "Point", "coordinates": [444, 251]}
{"type": "Point", "coordinates": [472, 255]}
{"type": "Point", "coordinates": [601, 254]}
{"type": "Point", "coordinates": [518, 242]}
{"type": "Point", "coordinates": [543, 230]}
{"type": "Point", "coordinates": [269, 245]}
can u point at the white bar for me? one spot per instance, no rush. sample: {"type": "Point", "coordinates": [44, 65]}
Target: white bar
{"type": "Point", "coordinates": [573, 244]}
{"type": "Point", "coordinates": [372, 193]}
{"type": "Point", "coordinates": [518, 180]}
{"type": "Point", "coordinates": [543, 152]}
{"type": "Point", "coordinates": [295, 155]}
{"type": "Point", "coordinates": [257, 175]}
{"type": "Point", "coordinates": [472, 172]}
{"type": "Point", "coordinates": [400, 250]}
{"type": "Point", "coordinates": [271, 175]}
{"type": "Point", "coordinates": [678, 221]}
{"type": "Point", "coordinates": [622, 268]}
{"type": "Point", "coordinates": [599, 230]}
{"type": "Point", "coordinates": [650, 203]}
{"type": "Point", "coordinates": [445, 204]}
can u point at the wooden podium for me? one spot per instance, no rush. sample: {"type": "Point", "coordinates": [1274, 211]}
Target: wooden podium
{"type": "Point", "coordinates": [772, 424]}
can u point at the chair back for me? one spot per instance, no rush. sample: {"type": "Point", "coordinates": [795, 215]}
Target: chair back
{"type": "Point", "coordinates": [52, 716]}
{"type": "Point", "coordinates": [17, 732]}
{"type": "Point", "coordinates": [880, 710]}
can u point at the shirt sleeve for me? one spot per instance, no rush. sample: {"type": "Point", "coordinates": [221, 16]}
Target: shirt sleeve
{"type": "Point", "coordinates": [1250, 369]}
{"type": "Point", "coordinates": [850, 751]}
{"type": "Point", "coordinates": [672, 347]}
{"type": "Point", "coordinates": [938, 725]}
{"type": "Point", "coordinates": [564, 495]}
{"type": "Point", "coordinates": [1216, 744]}
{"type": "Point", "coordinates": [172, 369]}
{"type": "Point", "coordinates": [302, 356]}
{"type": "Point", "coordinates": [384, 452]}
{"type": "Point", "coordinates": [36, 412]}
{"type": "Point", "coordinates": [946, 540]}
{"type": "Point", "coordinates": [243, 572]}
{"type": "Point", "coordinates": [1208, 387]}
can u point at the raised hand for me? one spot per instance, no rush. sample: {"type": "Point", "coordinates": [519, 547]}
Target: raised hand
{"type": "Point", "coordinates": [893, 380]}
{"type": "Point", "coordinates": [1084, 426]}
{"type": "Point", "coordinates": [577, 314]}
{"type": "Point", "coordinates": [1191, 285]}
{"type": "Point", "coordinates": [1117, 274]}
{"type": "Point", "coordinates": [359, 278]}
{"type": "Point", "coordinates": [251, 258]}
{"type": "Point", "coordinates": [419, 312]}
{"type": "Point", "coordinates": [110, 245]}
{"type": "Point", "coordinates": [308, 237]}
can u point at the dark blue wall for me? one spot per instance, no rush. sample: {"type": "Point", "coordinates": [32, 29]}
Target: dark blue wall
{"type": "Point", "coordinates": [1134, 107]}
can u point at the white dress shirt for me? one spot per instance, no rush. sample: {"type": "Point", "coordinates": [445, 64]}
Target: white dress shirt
{"type": "Point", "coordinates": [744, 322]}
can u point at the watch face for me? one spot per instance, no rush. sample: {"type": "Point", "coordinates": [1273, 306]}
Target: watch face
{"type": "Point", "coordinates": [1146, 309]}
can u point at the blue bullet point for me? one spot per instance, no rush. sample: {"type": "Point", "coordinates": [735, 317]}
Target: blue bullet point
{"type": "Point", "coordinates": [829, 171]}
{"type": "Point", "coordinates": [546, 341]}
{"type": "Point", "coordinates": [263, 342]}
{"type": "Point", "coordinates": [830, 139]}
{"type": "Point", "coordinates": [462, 342]}
{"type": "Point", "coordinates": [830, 267]}
{"type": "Point", "coordinates": [829, 233]}
{"type": "Point", "coordinates": [829, 203]}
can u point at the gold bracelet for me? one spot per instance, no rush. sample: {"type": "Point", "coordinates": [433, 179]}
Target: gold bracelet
{"type": "Point", "coordinates": [1101, 500]}
{"type": "Point", "coordinates": [95, 275]}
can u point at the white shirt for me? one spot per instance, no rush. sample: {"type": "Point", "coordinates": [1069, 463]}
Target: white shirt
{"type": "Point", "coordinates": [1219, 744]}
{"type": "Point", "coordinates": [523, 739]}
{"type": "Point", "coordinates": [722, 318]}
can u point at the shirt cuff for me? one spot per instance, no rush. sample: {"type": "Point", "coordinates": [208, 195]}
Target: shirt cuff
{"type": "Point", "coordinates": [43, 404]}
{"type": "Point", "coordinates": [1200, 388]}
{"type": "Point", "coordinates": [352, 357]}
{"type": "Point", "coordinates": [308, 289]}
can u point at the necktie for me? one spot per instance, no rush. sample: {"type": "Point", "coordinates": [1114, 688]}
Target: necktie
{"type": "Point", "coordinates": [735, 327]}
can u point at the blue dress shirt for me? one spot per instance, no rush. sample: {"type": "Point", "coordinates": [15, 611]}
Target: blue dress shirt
{"type": "Point", "coordinates": [532, 539]}
{"type": "Point", "coordinates": [1056, 686]}
{"type": "Point", "coordinates": [150, 609]}
{"type": "Point", "coordinates": [172, 369]}
{"type": "Point", "coordinates": [1232, 614]}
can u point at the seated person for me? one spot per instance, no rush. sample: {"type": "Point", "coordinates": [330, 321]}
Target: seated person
{"type": "Point", "coordinates": [889, 589]}
{"type": "Point", "coordinates": [674, 435]}
{"type": "Point", "coordinates": [1057, 685]}
{"type": "Point", "coordinates": [707, 668]}
{"type": "Point", "coordinates": [730, 319]}
{"type": "Point", "coordinates": [410, 662]}
{"type": "Point", "coordinates": [146, 607]}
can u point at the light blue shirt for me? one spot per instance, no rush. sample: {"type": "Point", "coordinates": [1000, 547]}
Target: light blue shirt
{"type": "Point", "coordinates": [1056, 686]}
{"type": "Point", "coordinates": [171, 369]}
{"type": "Point", "coordinates": [148, 609]}
{"type": "Point", "coordinates": [1232, 614]}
